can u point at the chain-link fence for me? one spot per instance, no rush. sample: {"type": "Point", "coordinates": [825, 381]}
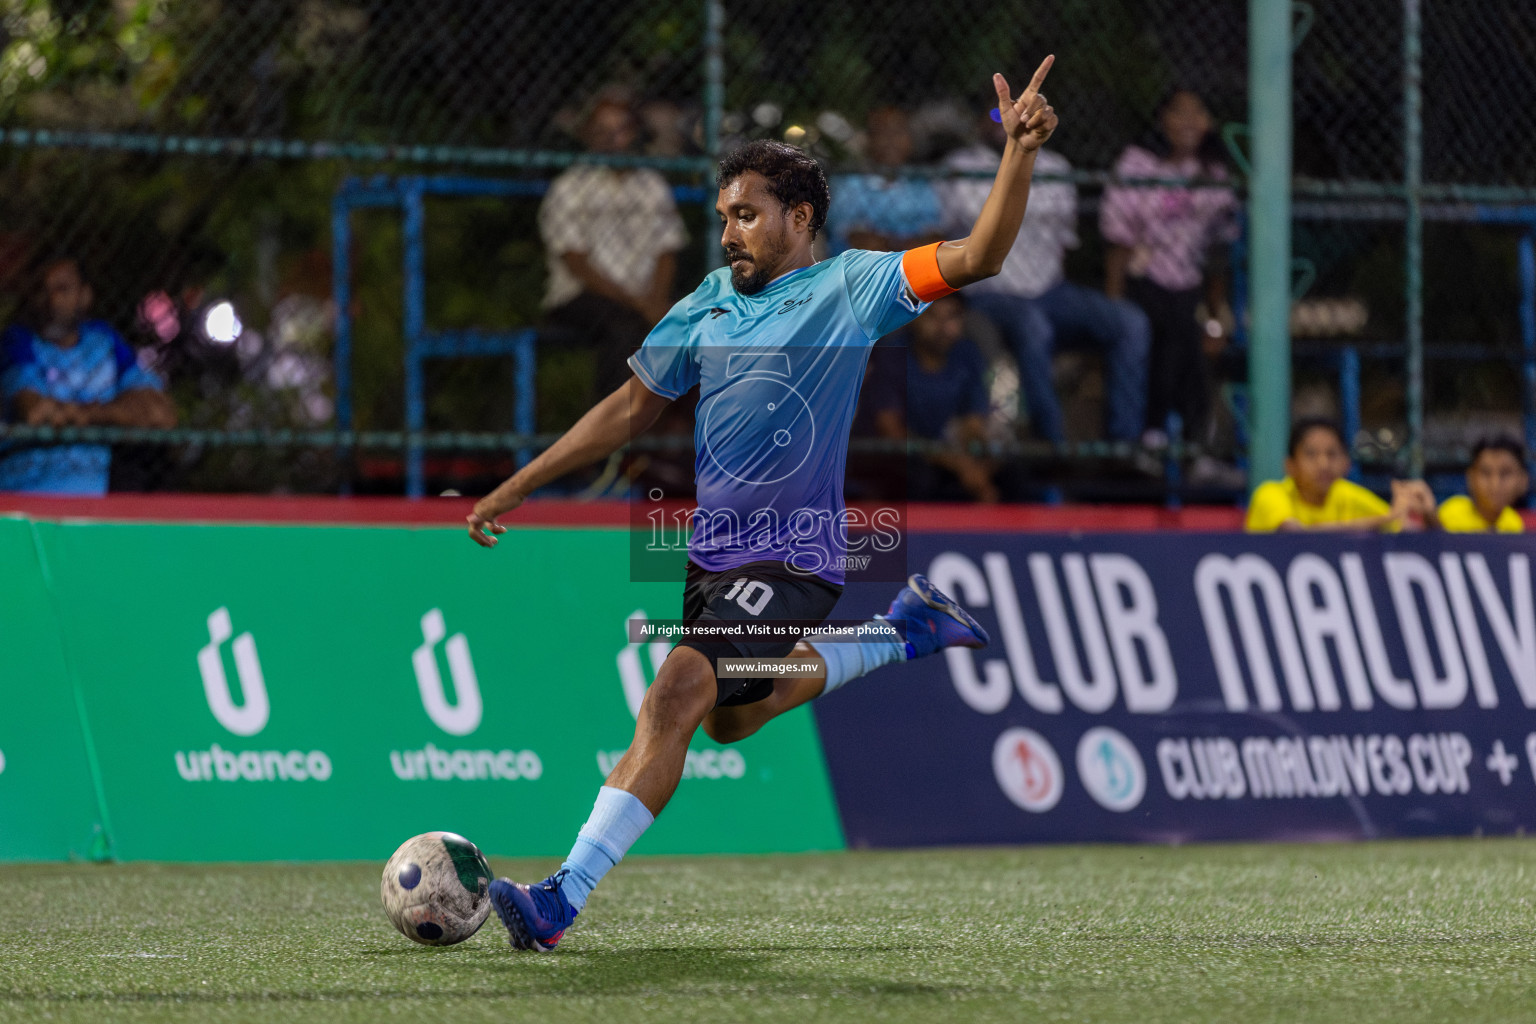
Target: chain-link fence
{"type": "Point", "coordinates": [196, 159]}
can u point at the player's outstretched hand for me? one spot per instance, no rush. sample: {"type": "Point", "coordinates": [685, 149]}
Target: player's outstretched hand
{"type": "Point", "coordinates": [483, 527]}
{"type": "Point", "coordinates": [1029, 120]}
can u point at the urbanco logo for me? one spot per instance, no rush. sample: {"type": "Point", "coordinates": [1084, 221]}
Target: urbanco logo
{"type": "Point", "coordinates": [699, 764]}
{"type": "Point", "coordinates": [1111, 769]}
{"type": "Point", "coordinates": [463, 717]}
{"type": "Point", "coordinates": [251, 717]}
{"type": "Point", "coordinates": [631, 675]}
{"type": "Point", "coordinates": [1027, 769]}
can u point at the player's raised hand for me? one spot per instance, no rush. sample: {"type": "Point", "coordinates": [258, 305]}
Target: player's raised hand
{"type": "Point", "coordinates": [1028, 120]}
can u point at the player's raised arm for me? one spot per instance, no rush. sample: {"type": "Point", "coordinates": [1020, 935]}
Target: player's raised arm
{"type": "Point", "coordinates": [1029, 121]}
{"type": "Point", "coordinates": [605, 429]}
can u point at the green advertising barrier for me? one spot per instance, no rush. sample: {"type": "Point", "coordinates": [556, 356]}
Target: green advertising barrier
{"type": "Point", "coordinates": [320, 692]}
{"type": "Point", "coordinates": [48, 807]}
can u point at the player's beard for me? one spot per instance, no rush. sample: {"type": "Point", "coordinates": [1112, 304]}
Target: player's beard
{"type": "Point", "coordinates": [754, 280]}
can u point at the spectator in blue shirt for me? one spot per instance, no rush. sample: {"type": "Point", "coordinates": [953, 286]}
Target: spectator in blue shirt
{"type": "Point", "coordinates": [879, 211]}
{"type": "Point", "coordinates": [942, 398]}
{"type": "Point", "coordinates": [70, 372]}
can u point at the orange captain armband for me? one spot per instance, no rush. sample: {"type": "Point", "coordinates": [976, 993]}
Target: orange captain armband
{"type": "Point", "coordinates": [921, 265]}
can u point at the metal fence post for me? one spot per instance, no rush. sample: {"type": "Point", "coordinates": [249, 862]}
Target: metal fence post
{"type": "Point", "coordinates": [415, 330]}
{"type": "Point", "coordinates": [1413, 233]}
{"type": "Point", "coordinates": [714, 108]}
{"type": "Point", "coordinates": [341, 291]}
{"type": "Point", "coordinates": [1528, 341]}
{"type": "Point", "coordinates": [1269, 234]}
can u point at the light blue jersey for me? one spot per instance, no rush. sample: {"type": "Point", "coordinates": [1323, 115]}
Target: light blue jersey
{"type": "Point", "coordinates": [779, 375]}
{"type": "Point", "coordinates": [96, 369]}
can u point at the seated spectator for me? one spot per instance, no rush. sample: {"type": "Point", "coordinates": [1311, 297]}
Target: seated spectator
{"type": "Point", "coordinates": [1496, 480]}
{"type": "Point", "coordinates": [880, 211]}
{"type": "Point", "coordinates": [943, 397]}
{"type": "Point", "coordinates": [1314, 494]}
{"type": "Point", "coordinates": [611, 235]}
{"type": "Point", "coordinates": [1035, 307]}
{"type": "Point", "coordinates": [71, 372]}
{"type": "Point", "coordinates": [1160, 240]}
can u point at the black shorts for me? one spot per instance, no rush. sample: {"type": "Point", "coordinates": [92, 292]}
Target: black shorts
{"type": "Point", "coordinates": [755, 592]}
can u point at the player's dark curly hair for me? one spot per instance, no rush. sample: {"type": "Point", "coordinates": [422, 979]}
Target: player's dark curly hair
{"type": "Point", "coordinates": [793, 176]}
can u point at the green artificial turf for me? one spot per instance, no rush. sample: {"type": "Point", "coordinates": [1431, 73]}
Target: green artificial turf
{"type": "Point", "coordinates": [1400, 931]}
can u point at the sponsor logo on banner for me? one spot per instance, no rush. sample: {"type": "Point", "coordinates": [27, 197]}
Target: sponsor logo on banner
{"type": "Point", "coordinates": [249, 718]}
{"type": "Point", "coordinates": [1283, 767]}
{"type": "Point", "coordinates": [217, 764]}
{"type": "Point", "coordinates": [632, 677]}
{"type": "Point", "coordinates": [463, 716]}
{"type": "Point", "coordinates": [460, 718]}
{"type": "Point", "coordinates": [1027, 769]}
{"type": "Point", "coordinates": [1111, 769]}
{"type": "Point", "coordinates": [700, 764]}
{"type": "Point", "coordinates": [467, 765]}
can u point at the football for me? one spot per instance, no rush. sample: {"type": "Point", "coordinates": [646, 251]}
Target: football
{"type": "Point", "coordinates": [435, 888]}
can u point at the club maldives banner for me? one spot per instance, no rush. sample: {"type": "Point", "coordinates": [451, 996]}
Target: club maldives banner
{"type": "Point", "coordinates": [186, 692]}
{"type": "Point", "coordinates": [1169, 688]}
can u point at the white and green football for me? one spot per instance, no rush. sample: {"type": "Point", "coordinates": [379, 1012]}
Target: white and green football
{"type": "Point", "coordinates": [435, 888]}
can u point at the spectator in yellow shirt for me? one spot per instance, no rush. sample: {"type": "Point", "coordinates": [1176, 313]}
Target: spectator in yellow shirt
{"type": "Point", "coordinates": [1315, 496]}
{"type": "Point", "coordinates": [1496, 479]}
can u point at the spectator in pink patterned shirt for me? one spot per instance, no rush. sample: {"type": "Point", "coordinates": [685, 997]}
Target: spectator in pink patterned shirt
{"type": "Point", "coordinates": [1160, 240]}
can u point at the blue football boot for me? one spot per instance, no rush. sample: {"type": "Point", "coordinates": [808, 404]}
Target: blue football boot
{"type": "Point", "coordinates": [535, 916]}
{"type": "Point", "coordinates": [932, 620]}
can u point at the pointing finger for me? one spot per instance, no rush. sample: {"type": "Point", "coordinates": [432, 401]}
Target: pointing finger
{"type": "Point", "coordinates": [1040, 73]}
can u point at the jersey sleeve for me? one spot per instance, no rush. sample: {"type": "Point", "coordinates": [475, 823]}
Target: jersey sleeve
{"type": "Point", "coordinates": [881, 289]}
{"type": "Point", "coordinates": [1122, 211]}
{"type": "Point", "coordinates": [19, 370]}
{"type": "Point", "coordinates": [669, 234]}
{"type": "Point", "coordinates": [1458, 515]}
{"type": "Point", "coordinates": [1267, 509]}
{"type": "Point", "coordinates": [130, 375]}
{"type": "Point", "coordinates": [668, 362]}
{"type": "Point", "coordinates": [562, 219]}
{"type": "Point", "coordinates": [1363, 503]}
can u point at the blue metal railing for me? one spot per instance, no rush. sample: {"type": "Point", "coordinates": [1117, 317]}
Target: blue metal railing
{"type": "Point", "coordinates": [408, 194]}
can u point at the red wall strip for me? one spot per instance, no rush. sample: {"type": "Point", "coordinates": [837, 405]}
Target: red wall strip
{"type": "Point", "coordinates": [450, 512]}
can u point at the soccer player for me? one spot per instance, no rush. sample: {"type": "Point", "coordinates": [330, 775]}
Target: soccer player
{"type": "Point", "coordinates": [1496, 479]}
{"type": "Point", "coordinates": [778, 344]}
{"type": "Point", "coordinates": [1315, 496]}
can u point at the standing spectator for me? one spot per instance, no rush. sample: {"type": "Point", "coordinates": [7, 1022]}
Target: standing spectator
{"type": "Point", "coordinates": [1036, 308]}
{"type": "Point", "coordinates": [71, 372]}
{"type": "Point", "coordinates": [611, 236]}
{"type": "Point", "coordinates": [943, 397]}
{"type": "Point", "coordinates": [880, 211]}
{"type": "Point", "coordinates": [1160, 240]}
{"type": "Point", "coordinates": [1496, 480]}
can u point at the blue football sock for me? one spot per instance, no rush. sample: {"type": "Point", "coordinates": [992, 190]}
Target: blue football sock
{"type": "Point", "coordinates": [618, 819]}
{"type": "Point", "coordinates": [847, 661]}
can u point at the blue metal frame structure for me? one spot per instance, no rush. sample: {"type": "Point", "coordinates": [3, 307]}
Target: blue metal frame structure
{"type": "Point", "coordinates": [1347, 358]}
{"type": "Point", "coordinates": [408, 194]}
